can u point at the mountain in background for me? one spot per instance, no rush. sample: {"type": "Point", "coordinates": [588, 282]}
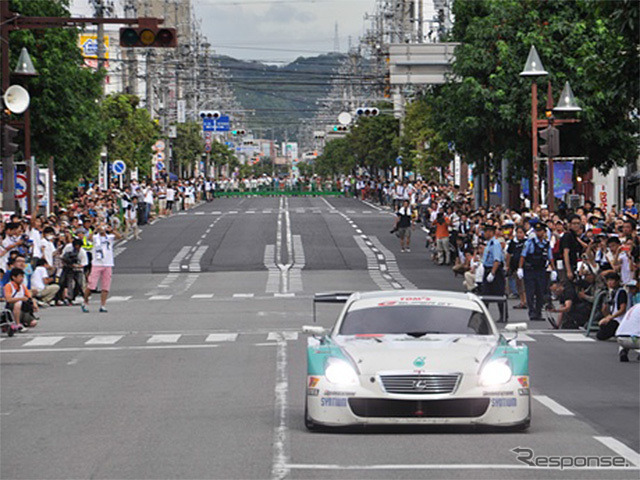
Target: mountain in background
{"type": "Point", "coordinates": [278, 97]}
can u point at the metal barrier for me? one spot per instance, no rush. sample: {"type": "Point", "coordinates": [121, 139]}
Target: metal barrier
{"type": "Point", "coordinates": [597, 306]}
{"type": "Point", "coordinates": [501, 300]}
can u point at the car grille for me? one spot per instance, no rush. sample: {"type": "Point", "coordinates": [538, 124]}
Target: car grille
{"type": "Point", "coordinates": [450, 408]}
{"type": "Point", "coordinates": [420, 384]}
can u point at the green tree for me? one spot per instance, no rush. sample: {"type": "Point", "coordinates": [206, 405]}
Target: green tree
{"type": "Point", "coordinates": [65, 118]}
{"type": "Point", "coordinates": [374, 142]}
{"type": "Point", "coordinates": [130, 131]}
{"type": "Point", "coordinates": [188, 145]}
{"type": "Point", "coordinates": [336, 158]}
{"type": "Point", "coordinates": [422, 146]}
{"type": "Point", "coordinates": [486, 109]}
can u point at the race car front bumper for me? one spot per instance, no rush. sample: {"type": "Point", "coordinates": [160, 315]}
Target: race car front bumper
{"type": "Point", "coordinates": [369, 404]}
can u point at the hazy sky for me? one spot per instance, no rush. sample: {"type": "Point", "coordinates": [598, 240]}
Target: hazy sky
{"type": "Point", "coordinates": [274, 30]}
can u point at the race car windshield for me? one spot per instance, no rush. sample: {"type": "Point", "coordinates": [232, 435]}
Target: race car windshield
{"type": "Point", "coordinates": [414, 320]}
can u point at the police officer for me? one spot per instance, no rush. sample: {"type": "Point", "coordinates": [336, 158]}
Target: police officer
{"type": "Point", "coordinates": [535, 258]}
{"type": "Point", "coordinates": [493, 281]}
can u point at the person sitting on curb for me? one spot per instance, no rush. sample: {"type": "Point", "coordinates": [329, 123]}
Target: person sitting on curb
{"type": "Point", "coordinates": [628, 333]}
{"type": "Point", "coordinates": [18, 299]}
{"type": "Point", "coordinates": [614, 308]}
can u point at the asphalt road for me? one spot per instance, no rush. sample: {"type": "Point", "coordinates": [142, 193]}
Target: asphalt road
{"type": "Point", "coordinates": [198, 370]}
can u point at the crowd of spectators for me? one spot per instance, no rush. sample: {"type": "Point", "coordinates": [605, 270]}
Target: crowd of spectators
{"type": "Point", "coordinates": [46, 260]}
{"type": "Point", "coordinates": [556, 264]}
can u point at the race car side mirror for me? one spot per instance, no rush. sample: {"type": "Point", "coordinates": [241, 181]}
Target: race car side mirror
{"type": "Point", "coordinates": [515, 327]}
{"type": "Point", "coordinates": [314, 330]}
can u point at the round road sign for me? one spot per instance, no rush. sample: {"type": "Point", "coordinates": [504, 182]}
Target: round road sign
{"type": "Point", "coordinates": [21, 185]}
{"type": "Point", "coordinates": [159, 166]}
{"type": "Point", "coordinates": [344, 118]}
{"type": "Point", "coordinates": [159, 145]}
{"type": "Point", "coordinates": [207, 148]}
{"type": "Point", "coordinates": [119, 167]}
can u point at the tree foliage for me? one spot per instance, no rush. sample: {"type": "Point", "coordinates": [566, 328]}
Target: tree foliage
{"type": "Point", "coordinates": [336, 158]}
{"type": "Point", "coordinates": [130, 131]}
{"type": "Point", "coordinates": [486, 109]}
{"type": "Point", "coordinates": [65, 118]}
{"type": "Point", "coordinates": [188, 146]}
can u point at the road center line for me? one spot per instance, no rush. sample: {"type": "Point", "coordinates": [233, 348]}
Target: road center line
{"type": "Point", "coordinates": [280, 469]}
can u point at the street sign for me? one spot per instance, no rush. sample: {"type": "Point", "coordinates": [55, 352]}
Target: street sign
{"type": "Point", "coordinates": [159, 156]}
{"type": "Point", "coordinates": [399, 160]}
{"type": "Point", "coordinates": [119, 167]}
{"type": "Point", "coordinates": [159, 145]}
{"type": "Point", "coordinates": [21, 185]}
{"type": "Point", "coordinates": [207, 148]}
{"type": "Point", "coordinates": [221, 124]}
{"type": "Point", "coordinates": [160, 166]}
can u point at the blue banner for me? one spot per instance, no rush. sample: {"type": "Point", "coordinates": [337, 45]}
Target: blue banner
{"type": "Point", "coordinates": [525, 186]}
{"type": "Point", "coordinates": [562, 178]}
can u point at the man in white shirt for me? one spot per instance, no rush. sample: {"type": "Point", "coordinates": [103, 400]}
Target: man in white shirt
{"type": "Point", "coordinates": [101, 266]}
{"type": "Point", "coordinates": [171, 196]}
{"type": "Point", "coordinates": [42, 288]}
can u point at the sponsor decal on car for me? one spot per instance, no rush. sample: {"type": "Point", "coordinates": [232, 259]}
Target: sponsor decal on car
{"type": "Point", "coordinates": [523, 391]}
{"type": "Point", "coordinates": [333, 402]}
{"type": "Point", "coordinates": [389, 303]}
{"type": "Point", "coordinates": [313, 392]}
{"type": "Point", "coordinates": [524, 381]}
{"type": "Point", "coordinates": [504, 402]}
{"type": "Point", "coordinates": [313, 381]}
{"type": "Point", "coordinates": [419, 362]}
{"type": "Point", "coordinates": [498, 394]}
{"type": "Point", "coordinates": [334, 393]}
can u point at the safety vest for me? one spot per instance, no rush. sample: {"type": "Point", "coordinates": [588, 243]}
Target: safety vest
{"type": "Point", "coordinates": [86, 244]}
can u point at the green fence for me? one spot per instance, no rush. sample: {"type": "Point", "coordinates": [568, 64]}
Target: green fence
{"type": "Point", "coordinates": [299, 191]}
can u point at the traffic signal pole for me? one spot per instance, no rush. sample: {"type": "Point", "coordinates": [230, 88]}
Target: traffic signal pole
{"type": "Point", "coordinates": [535, 187]}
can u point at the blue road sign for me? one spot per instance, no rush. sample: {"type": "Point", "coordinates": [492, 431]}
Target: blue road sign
{"type": "Point", "coordinates": [118, 167]}
{"type": "Point", "coordinates": [399, 160]}
{"type": "Point", "coordinates": [221, 124]}
{"type": "Point", "coordinates": [160, 166]}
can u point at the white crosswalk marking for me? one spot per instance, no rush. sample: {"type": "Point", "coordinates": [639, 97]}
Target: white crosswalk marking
{"type": "Point", "coordinates": [167, 338]}
{"type": "Point", "coordinates": [222, 337]}
{"type": "Point", "coordinates": [243, 295]}
{"type": "Point", "coordinates": [103, 340]}
{"type": "Point", "coordinates": [174, 266]}
{"type": "Point", "coordinates": [118, 299]}
{"type": "Point", "coordinates": [275, 336]}
{"type": "Point", "coordinates": [194, 263]}
{"type": "Point", "coordinates": [284, 295]}
{"type": "Point", "coordinates": [523, 337]}
{"type": "Point", "coordinates": [573, 337]}
{"type": "Point", "coordinates": [202, 295]}
{"type": "Point", "coordinates": [42, 341]}
{"type": "Point", "coordinates": [160, 297]}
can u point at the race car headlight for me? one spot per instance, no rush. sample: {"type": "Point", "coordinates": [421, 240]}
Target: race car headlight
{"type": "Point", "coordinates": [496, 372]}
{"type": "Point", "coordinates": [340, 372]}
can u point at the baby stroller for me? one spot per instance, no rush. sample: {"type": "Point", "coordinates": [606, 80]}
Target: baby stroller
{"type": "Point", "coordinates": [8, 323]}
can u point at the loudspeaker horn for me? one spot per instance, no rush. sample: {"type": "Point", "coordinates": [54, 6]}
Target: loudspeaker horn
{"type": "Point", "coordinates": [16, 98]}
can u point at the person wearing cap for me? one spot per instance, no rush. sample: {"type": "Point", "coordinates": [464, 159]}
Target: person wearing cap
{"type": "Point", "coordinates": [632, 289]}
{"type": "Point", "coordinates": [535, 258]}
{"type": "Point", "coordinates": [614, 308]}
{"type": "Point", "coordinates": [493, 281]}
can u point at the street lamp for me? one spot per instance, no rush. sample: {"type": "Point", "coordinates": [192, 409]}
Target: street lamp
{"type": "Point", "coordinates": [532, 69]}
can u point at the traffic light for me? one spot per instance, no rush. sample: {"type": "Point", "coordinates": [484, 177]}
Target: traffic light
{"type": "Point", "coordinates": [132, 37]}
{"type": "Point", "coordinates": [551, 135]}
{"type": "Point", "coordinates": [238, 132]}
{"type": "Point", "coordinates": [340, 128]}
{"type": "Point", "coordinates": [9, 147]}
{"type": "Point", "coordinates": [215, 114]}
{"type": "Point", "coordinates": [367, 111]}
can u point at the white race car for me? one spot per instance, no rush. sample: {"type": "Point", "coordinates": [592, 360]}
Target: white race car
{"type": "Point", "coordinates": [415, 357]}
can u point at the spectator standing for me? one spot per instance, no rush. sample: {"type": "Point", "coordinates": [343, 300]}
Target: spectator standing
{"type": "Point", "coordinates": [442, 239]}
{"type": "Point", "coordinates": [572, 247]}
{"type": "Point", "coordinates": [102, 267]}
{"type": "Point", "coordinates": [404, 225]}
{"type": "Point", "coordinates": [514, 251]}
{"type": "Point", "coordinates": [493, 282]}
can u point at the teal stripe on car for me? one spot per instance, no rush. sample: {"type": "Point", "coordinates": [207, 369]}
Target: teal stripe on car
{"type": "Point", "coordinates": [317, 356]}
{"type": "Point", "coordinates": [518, 357]}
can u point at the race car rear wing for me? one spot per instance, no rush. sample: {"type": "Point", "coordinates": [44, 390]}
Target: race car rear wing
{"type": "Point", "coordinates": [335, 297]}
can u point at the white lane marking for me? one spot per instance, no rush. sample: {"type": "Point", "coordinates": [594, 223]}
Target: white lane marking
{"type": "Point", "coordinates": [350, 211]}
{"type": "Point", "coordinates": [103, 340]}
{"type": "Point", "coordinates": [222, 337]}
{"type": "Point", "coordinates": [199, 213]}
{"type": "Point", "coordinates": [331, 207]}
{"type": "Point", "coordinates": [202, 295]}
{"type": "Point", "coordinates": [233, 212]}
{"type": "Point", "coordinates": [285, 336]}
{"type": "Point", "coordinates": [265, 344]}
{"type": "Point", "coordinates": [250, 211]}
{"type": "Point", "coordinates": [194, 263]}
{"type": "Point", "coordinates": [42, 341]}
{"type": "Point", "coordinates": [446, 466]}
{"type": "Point", "coordinates": [73, 361]}
{"type": "Point", "coordinates": [108, 349]}
{"type": "Point", "coordinates": [621, 449]}
{"type": "Point", "coordinates": [118, 299]}
{"type": "Point", "coordinates": [279, 468]}
{"type": "Point", "coordinates": [299, 261]}
{"type": "Point", "coordinates": [174, 266]}
{"type": "Point", "coordinates": [166, 338]}
{"type": "Point", "coordinates": [160, 297]}
{"type": "Point", "coordinates": [552, 405]}
{"type": "Point", "coordinates": [216, 213]}
{"type": "Point", "coordinates": [273, 278]}
{"type": "Point", "coordinates": [573, 337]}
{"type": "Point", "coordinates": [243, 295]}
{"type": "Point", "coordinates": [284, 295]}
{"type": "Point", "coordinates": [523, 337]}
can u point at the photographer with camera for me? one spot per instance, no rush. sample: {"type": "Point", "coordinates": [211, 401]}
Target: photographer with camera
{"type": "Point", "coordinates": [74, 260]}
{"type": "Point", "coordinates": [102, 265]}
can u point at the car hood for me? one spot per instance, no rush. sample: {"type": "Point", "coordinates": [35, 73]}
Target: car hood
{"type": "Point", "coordinates": [435, 353]}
